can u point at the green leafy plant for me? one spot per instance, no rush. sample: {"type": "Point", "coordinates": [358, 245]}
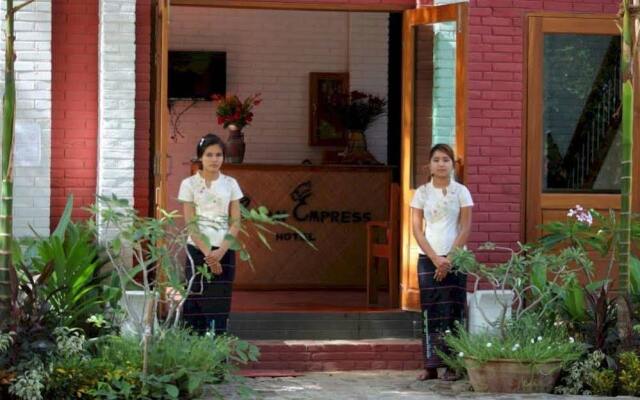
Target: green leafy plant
{"type": "Point", "coordinates": [603, 382]}
{"type": "Point", "coordinates": [578, 376]}
{"type": "Point", "coordinates": [180, 364]}
{"type": "Point", "coordinates": [539, 280]}
{"type": "Point", "coordinates": [592, 311]}
{"type": "Point", "coordinates": [75, 287]}
{"type": "Point", "coordinates": [591, 230]}
{"type": "Point", "coordinates": [630, 373]}
{"type": "Point", "coordinates": [527, 340]}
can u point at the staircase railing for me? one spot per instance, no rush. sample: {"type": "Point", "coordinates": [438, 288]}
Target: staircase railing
{"type": "Point", "coordinates": [597, 127]}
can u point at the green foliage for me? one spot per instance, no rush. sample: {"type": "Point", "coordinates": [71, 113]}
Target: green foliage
{"type": "Point", "coordinates": [542, 281]}
{"type": "Point", "coordinates": [30, 384]}
{"type": "Point", "coordinates": [77, 377]}
{"type": "Point", "coordinates": [600, 236]}
{"type": "Point", "coordinates": [70, 260]}
{"type": "Point", "coordinates": [593, 313]}
{"type": "Point", "coordinates": [578, 376]}
{"type": "Point", "coordinates": [6, 340]}
{"type": "Point", "coordinates": [630, 373]}
{"type": "Point", "coordinates": [603, 382]}
{"type": "Point", "coordinates": [527, 340]}
{"type": "Point", "coordinates": [180, 363]}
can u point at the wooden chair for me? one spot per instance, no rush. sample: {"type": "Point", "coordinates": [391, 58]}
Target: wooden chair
{"type": "Point", "coordinates": [389, 250]}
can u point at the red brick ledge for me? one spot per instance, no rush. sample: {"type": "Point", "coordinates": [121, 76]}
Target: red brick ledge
{"type": "Point", "coordinates": [338, 355]}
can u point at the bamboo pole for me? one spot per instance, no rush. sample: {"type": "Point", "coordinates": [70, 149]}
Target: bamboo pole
{"type": "Point", "coordinates": [6, 186]}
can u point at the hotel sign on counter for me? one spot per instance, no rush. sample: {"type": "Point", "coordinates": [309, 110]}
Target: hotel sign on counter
{"type": "Point", "coordinates": [330, 205]}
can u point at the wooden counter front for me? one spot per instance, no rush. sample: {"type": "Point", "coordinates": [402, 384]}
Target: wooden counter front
{"type": "Point", "coordinates": [329, 204]}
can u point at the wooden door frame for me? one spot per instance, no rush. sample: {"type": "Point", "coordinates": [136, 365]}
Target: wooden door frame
{"type": "Point", "coordinates": [300, 5]}
{"type": "Point", "coordinates": [534, 200]}
{"type": "Point", "coordinates": [458, 12]}
{"type": "Point", "coordinates": [159, 93]}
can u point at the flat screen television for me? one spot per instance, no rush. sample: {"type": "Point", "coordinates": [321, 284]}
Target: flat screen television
{"type": "Point", "coordinates": [197, 75]}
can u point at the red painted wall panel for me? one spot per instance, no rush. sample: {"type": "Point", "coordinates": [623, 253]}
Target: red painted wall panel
{"type": "Point", "coordinates": [74, 104]}
{"type": "Point", "coordinates": [143, 134]}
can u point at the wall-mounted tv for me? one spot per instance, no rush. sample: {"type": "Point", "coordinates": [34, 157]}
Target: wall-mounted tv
{"type": "Point", "coordinates": [197, 75]}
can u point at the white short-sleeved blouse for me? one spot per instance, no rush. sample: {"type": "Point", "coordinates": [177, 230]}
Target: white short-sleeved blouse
{"type": "Point", "coordinates": [441, 213]}
{"type": "Point", "coordinates": [211, 204]}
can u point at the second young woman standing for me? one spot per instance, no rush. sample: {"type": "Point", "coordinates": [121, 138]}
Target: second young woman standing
{"type": "Point", "coordinates": [214, 198]}
{"type": "Point", "coordinates": [441, 222]}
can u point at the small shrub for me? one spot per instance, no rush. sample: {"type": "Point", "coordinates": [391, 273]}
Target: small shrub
{"type": "Point", "coordinates": [630, 373]}
{"type": "Point", "coordinates": [578, 375]}
{"type": "Point", "coordinates": [603, 383]}
{"type": "Point", "coordinates": [180, 363]}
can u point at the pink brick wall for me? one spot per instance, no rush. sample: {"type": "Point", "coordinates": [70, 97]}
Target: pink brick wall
{"type": "Point", "coordinates": [143, 134]}
{"type": "Point", "coordinates": [496, 103]}
{"type": "Point", "coordinates": [74, 120]}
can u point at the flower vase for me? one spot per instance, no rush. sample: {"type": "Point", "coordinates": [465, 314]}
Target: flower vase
{"type": "Point", "coordinates": [235, 145]}
{"type": "Point", "coordinates": [356, 151]}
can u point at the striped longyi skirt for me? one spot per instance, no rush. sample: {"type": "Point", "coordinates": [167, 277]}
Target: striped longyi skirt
{"type": "Point", "coordinates": [442, 304]}
{"type": "Point", "coordinates": [210, 300]}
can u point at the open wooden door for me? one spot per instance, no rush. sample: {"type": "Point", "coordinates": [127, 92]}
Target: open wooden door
{"type": "Point", "coordinates": [573, 117]}
{"type": "Point", "coordinates": [433, 111]}
{"type": "Point", "coordinates": [160, 113]}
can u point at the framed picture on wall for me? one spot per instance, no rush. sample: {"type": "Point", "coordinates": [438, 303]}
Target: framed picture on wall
{"type": "Point", "coordinates": [325, 128]}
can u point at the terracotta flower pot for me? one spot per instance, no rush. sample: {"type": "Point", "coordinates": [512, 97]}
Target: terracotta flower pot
{"type": "Point", "coordinates": [511, 376]}
{"type": "Point", "coordinates": [235, 145]}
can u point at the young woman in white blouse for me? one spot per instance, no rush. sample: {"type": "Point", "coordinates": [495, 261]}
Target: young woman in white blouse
{"type": "Point", "coordinates": [214, 198]}
{"type": "Point", "coordinates": [441, 222]}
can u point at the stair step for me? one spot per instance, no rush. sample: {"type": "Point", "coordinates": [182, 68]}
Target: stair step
{"type": "Point", "coordinates": [338, 355]}
{"type": "Point", "coordinates": [325, 326]}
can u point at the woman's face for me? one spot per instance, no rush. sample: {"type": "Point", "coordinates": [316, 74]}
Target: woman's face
{"type": "Point", "coordinates": [441, 165]}
{"type": "Point", "coordinates": [212, 158]}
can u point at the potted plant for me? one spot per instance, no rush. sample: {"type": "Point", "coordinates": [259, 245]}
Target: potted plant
{"type": "Point", "coordinates": [234, 114]}
{"type": "Point", "coordinates": [526, 348]}
{"type": "Point", "coordinates": [357, 111]}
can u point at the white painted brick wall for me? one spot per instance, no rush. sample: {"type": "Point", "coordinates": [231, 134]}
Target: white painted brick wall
{"type": "Point", "coordinates": [273, 52]}
{"type": "Point", "coordinates": [32, 171]}
{"type": "Point", "coordinates": [116, 99]}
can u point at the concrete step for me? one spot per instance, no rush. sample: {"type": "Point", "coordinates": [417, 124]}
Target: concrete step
{"type": "Point", "coordinates": [325, 325]}
{"type": "Point", "coordinates": [338, 355]}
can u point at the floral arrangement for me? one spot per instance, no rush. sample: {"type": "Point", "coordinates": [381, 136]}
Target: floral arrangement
{"type": "Point", "coordinates": [357, 110]}
{"type": "Point", "coordinates": [233, 111]}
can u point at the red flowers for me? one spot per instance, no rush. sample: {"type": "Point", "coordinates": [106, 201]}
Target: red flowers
{"type": "Point", "coordinates": [233, 111]}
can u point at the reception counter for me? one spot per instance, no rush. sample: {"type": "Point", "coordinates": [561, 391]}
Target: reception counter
{"type": "Point", "coordinates": [330, 204]}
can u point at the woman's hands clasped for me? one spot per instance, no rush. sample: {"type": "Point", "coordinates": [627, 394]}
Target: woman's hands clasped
{"type": "Point", "coordinates": [443, 266]}
{"type": "Point", "coordinates": [212, 258]}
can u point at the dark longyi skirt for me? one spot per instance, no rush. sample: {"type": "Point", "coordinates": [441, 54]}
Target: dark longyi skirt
{"type": "Point", "coordinates": [442, 304]}
{"type": "Point", "coordinates": [210, 301]}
